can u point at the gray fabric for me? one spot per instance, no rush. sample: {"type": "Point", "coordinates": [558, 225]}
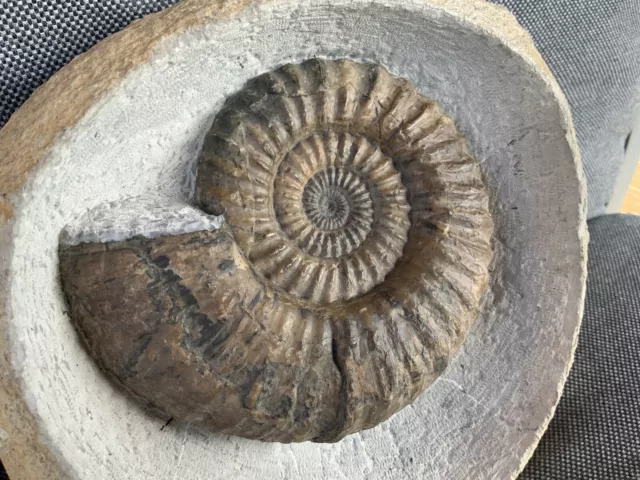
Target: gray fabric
{"type": "Point", "coordinates": [38, 37]}
{"type": "Point", "coordinates": [592, 46]}
{"type": "Point", "coordinates": [595, 433]}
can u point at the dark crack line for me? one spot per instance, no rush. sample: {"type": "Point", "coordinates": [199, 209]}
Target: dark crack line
{"type": "Point", "coordinates": [341, 416]}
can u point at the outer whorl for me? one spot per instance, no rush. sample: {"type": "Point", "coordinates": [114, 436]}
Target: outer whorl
{"type": "Point", "coordinates": [352, 265]}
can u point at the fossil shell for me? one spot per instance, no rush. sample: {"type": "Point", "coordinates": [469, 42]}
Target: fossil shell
{"type": "Point", "coordinates": [352, 265]}
{"type": "Point", "coordinates": [101, 152]}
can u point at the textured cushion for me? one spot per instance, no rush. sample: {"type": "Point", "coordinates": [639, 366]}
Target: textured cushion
{"type": "Point", "coordinates": [594, 434]}
{"type": "Point", "coordinates": [592, 46]}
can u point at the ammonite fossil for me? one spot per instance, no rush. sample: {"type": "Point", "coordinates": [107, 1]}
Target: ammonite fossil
{"type": "Point", "coordinates": [349, 270]}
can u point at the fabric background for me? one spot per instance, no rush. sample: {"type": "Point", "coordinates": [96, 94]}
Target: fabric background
{"type": "Point", "coordinates": [593, 48]}
{"type": "Point", "coordinates": [595, 433]}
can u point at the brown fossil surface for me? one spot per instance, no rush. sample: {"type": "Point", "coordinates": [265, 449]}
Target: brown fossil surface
{"type": "Point", "coordinates": [351, 266]}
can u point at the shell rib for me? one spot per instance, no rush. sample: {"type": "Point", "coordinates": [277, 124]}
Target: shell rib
{"type": "Point", "coordinates": [351, 267]}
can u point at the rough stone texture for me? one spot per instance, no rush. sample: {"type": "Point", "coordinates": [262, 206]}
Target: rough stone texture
{"type": "Point", "coordinates": [321, 324]}
{"type": "Point", "coordinates": [481, 419]}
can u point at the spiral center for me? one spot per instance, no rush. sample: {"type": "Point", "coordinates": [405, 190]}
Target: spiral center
{"type": "Point", "coordinates": [332, 205]}
{"type": "Point", "coordinates": [341, 219]}
{"type": "Point", "coordinates": [327, 207]}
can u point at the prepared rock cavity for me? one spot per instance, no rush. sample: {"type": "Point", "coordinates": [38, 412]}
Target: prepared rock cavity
{"type": "Point", "coordinates": [351, 266]}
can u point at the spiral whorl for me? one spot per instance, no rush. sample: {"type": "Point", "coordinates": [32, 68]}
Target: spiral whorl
{"type": "Point", "coordinates": [350, 269]}
{"type": "Point", "coordinates": [352, 196]}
